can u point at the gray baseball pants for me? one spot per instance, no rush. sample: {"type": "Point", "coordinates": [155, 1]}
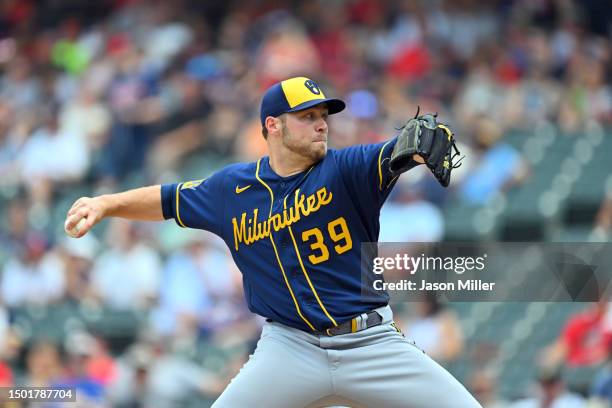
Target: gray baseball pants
{"type": "Point", "coordinates": [377, 367]}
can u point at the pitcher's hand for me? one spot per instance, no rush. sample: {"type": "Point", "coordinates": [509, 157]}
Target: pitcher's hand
{"type": "Point", "coordinates": [91, 210]}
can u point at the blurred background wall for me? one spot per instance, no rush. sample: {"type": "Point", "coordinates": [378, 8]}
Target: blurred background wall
{"type": "Point", "coordinates": [100, 96]}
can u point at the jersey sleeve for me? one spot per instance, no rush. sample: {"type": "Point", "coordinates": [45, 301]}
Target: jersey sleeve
{"type": "Point", "coordinates": [195, 204]}
{"type": "Point", "coordinates": [365, 171]}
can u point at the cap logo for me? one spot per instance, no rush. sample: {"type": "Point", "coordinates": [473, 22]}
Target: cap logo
{"type": "Point", "coordinates": [312, 87]}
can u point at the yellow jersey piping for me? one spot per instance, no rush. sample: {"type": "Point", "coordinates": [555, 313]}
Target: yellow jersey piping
{"type": "Point", "coordinates": [178, 194]}
{"type": "Point", "coordinates": [297, 306]}
{"type": "Point", "coordinates": [380, 177]}
{"type": "Point", "coordinates": [314, 292]}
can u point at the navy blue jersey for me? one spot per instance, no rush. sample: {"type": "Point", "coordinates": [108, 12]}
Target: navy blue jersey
{"type": "Point", "coordinates": [297, 239]}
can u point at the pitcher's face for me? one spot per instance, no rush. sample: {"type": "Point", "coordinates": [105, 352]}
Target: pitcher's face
{"type": "Point", "coordinates": [305, 132]}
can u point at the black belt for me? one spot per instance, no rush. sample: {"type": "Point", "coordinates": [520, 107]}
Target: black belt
{"type": "Point", "coordinates": [361, 322]}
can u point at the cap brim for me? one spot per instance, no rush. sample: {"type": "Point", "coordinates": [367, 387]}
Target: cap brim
{"type": "Point", "coordinates": [333, 105]}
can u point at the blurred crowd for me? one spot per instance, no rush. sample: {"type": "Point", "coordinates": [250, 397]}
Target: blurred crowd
{"type": "Point", "coordinates": [95, 95]}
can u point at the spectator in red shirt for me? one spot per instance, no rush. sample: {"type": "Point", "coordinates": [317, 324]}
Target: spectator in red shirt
{"type": "Point", "coordinates": [584, 340]}
{"type": "Point", "coordinates": [6, 375]}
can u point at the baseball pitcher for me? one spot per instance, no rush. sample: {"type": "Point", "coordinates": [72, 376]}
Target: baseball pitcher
{"type": "Point", "coordinates": [294, 222]}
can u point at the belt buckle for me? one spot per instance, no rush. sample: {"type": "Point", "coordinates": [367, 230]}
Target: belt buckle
{"type": "Point", "coordinates": [356, 324]}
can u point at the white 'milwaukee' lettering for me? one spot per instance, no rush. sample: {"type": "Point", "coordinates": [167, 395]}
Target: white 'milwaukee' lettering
{"type": "Point", "coordinates": [251, 230]}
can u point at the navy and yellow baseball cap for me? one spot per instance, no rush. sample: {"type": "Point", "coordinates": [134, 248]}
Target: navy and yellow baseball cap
{"type": "Point", "coordinates": [295, 94]}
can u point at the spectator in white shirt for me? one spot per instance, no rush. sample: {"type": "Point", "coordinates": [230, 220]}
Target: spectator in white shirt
{"type": "Point", "coordinates": [127, 275]}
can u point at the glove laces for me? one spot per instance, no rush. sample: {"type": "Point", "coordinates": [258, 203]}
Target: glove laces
{"type": "Point", "coordinates": [455, 164]}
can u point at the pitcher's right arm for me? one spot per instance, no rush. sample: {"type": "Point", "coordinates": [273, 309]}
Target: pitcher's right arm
{"type": "Point", "coordinates": [142, 204]}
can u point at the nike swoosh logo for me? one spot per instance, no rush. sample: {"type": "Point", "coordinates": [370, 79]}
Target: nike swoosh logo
{"type": "Point", "coordinates": [241, 189]}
